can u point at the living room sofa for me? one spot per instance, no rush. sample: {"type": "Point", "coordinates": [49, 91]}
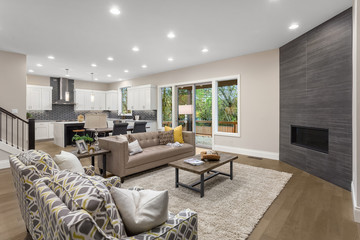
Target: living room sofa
{"type": "Point", "coordinates": [121, 164]}
{"type": "Point", "coordinates": [59, 204]}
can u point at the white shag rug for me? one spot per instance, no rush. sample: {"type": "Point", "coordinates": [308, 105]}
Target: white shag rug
{"type": "Point", "coordinates": [229, 209]}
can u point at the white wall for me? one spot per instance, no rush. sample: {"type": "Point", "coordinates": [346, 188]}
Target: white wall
{"type": "Point", "coordinates": [356, 111]}
{"type": "Point", "coordinates": [259, 98]}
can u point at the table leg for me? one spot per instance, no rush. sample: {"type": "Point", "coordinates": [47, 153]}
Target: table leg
{"type": "Point", "coordinates": [93, 161]}
{"type": "Point", "coordinates": [202, 185]}
{"type": "Point", "coordinates": [104, 165]}
{"type": "Point", "coordinates": [176, 177]}
{"type": "Point", "coordinates": [231, 170]}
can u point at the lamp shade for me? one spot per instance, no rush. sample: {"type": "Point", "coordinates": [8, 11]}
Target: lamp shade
{"type": "Point", "coordinates": [185, 109]}
{"type": "Point", "coordinates": [95, 120]}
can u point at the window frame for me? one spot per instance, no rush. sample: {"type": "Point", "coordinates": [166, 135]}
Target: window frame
{"type": "Point", "coordinates": [120, 113]}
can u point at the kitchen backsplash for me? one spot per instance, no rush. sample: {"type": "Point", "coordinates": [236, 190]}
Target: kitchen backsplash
{"type": "Point", "coordinates": [66, 112]}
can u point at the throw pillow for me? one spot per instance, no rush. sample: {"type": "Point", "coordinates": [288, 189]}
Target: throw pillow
{"type": "Point", "coordinates": [166, 137]}
{"type": "Point", "coordinates": [178, 137]}
{"type": "Point", "coordinates": [68, 161]}
{"type": "Point", "coordinates": [134, 148]}
{"type": "Point", "coordinates": [141, 210]}
{"type": "Point", "coordinates": [131, 138]}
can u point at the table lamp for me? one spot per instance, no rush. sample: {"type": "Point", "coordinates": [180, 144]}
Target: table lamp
{"type": "Point", "coordinates": [96, 121]}
{"type": "Point", "coordinates": [186, 110]}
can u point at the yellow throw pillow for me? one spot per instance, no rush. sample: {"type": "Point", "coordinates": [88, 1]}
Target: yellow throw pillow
{"type": "Point", "coordinates": [178, 137]}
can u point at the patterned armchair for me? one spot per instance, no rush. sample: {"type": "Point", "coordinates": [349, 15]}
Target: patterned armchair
{"type": "Point", "coordinates": [29, 166]}
{"type": "Point", "coordinates": [60, 222]}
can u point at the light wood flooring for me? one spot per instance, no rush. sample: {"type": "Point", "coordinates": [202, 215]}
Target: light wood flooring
{"type": "Point", "coordinates": [307, 208]}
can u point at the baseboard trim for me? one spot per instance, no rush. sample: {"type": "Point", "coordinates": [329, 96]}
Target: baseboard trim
{"type": "Point", "coordinates": [356, 209]}
{"type": "Point", "coordinates": [248, 152]}
{"type": "Point", "coordinates": [4, 164]}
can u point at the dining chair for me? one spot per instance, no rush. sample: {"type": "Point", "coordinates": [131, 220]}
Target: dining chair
{"type": "Point", "coordinates": [119, 128]}
{"type": "Point", "coordinates": [139, 127]}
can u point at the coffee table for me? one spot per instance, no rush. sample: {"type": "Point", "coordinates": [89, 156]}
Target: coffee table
{"type": "Point", "coordinates": [207, 167]}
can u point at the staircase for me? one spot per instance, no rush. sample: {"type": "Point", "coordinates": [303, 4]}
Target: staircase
{"type": "Point", "coordinates": [16, 135]}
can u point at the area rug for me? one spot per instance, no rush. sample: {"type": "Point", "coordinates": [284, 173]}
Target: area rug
{"type": "Point", "coordinates": [229, 209]}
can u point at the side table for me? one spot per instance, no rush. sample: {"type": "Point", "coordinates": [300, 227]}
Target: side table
{"type": "Point", "coordinates": [102, 152]}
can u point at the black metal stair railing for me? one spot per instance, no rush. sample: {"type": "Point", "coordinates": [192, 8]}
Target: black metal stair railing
{"type": "Point", "coordinates": [8, 133]}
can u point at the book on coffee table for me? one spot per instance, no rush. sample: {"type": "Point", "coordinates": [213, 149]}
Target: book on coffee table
{"type": "Point", "coordinates": [194, 161]}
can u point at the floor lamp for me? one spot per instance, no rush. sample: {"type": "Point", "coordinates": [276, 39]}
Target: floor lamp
{"type": "Point", "coordinates": [186, 110]}
{"type": "Point", "coordinates": [95, 121]}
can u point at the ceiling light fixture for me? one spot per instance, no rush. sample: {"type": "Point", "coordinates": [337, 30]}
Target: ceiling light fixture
{"type": "Point", "coordinates": [205, 50]}
{"type": "Point", "coordinates": [31, 71]}
{"type": "Point", "coordinates": [135, 49]}
{"type": "Point", "coordinates": [110, 58]}
{"type": "Point", "coordinates": [39, 65]}
{"type": "Point", "coordinates": [120, 79]}
{"type": "Point", "coordinates": [93, 65]}
{"type": "Point", "coordinates": [144, 66]}
{"type": "Point", "coordinates": [51, 57]}
{"type": "Point", "coordinates": [171, 35]}
{"type": "Point", "coordinates": [126, 71]}
{"type": "Point", "coordinates": [115, 11]}
{"type": "Point", "coordinates": [294, 26]}
{"type": "Point", "coordinates": [67, 73]}
{"type": "Point", "coordinates": [170, 59]}
{"type": "Point", "coordinates": [96, 79]}
{"type": "Point", "coordinates": [109, 75]}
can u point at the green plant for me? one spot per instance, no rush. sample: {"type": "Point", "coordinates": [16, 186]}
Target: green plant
{"type": "Point", "coordinates": [28, 115]}
{"type": "Point", "coordinates": [86, 138]}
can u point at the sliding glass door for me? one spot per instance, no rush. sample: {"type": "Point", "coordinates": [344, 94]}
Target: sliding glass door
{"type": "Point", "coordinates": [185, 109]}
{"type": "Point", "coordinates": [203, 113]}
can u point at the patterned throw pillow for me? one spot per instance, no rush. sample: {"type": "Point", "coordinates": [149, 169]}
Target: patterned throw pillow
{"type": "Point", "coordinates": [87, 193]}
{"type": "Point", "coordinates": [166, 137]}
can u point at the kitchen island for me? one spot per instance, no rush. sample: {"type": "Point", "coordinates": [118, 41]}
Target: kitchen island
{"type": "Point", "coordinates": [63, 132]}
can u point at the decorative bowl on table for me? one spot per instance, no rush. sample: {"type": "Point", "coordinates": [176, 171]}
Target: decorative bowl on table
{"type": "Point", "coordinates": [210, 155]}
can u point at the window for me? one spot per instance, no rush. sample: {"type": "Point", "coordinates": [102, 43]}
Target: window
{"type": "Point", "coordinates": [123, 92]}
{"type": "Point", "coordinates": [227, 106]}
{"type": "Point", "coordinates": [166, 106]}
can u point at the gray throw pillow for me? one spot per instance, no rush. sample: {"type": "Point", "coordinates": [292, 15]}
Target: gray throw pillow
{"type": "Point", "coordinates": [134, 148]}
{"type": "Point", "coordinates": [166, 137]}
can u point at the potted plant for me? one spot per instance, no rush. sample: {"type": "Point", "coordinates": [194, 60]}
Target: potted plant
{"type": "Point", "coordinates": [86, 138]}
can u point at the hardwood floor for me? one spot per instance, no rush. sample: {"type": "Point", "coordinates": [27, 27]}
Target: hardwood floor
{"type": "Point", "coordinates": [308, 208]}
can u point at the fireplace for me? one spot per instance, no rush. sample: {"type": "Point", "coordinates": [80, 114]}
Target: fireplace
{"type": "Point", "coordinates": [312, 138]}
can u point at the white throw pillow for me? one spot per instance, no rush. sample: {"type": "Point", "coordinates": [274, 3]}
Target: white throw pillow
{"type": "Point", "coordinates": [141, 210]}
{"type": "Point", "coordinates": [134, 148]}
{"type": "Point", "coordinates": [68, 161]}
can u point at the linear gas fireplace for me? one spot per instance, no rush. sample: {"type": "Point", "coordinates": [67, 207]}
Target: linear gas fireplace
{"type": "Point", "coordinates": [312, 138]}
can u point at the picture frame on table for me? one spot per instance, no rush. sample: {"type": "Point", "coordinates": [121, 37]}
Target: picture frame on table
{"type": "Point", "coordinates": [81, 146]}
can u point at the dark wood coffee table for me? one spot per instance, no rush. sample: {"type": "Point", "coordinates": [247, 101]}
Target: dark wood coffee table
{"type": "Point", "coordinates": [207, 167]}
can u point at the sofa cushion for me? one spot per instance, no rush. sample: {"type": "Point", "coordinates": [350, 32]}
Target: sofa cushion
{"type": "Point", "coordinates": [81, 192]}
{"type": "Point", "coordinates": [156, 153]}
{"type": "Point", "coordinates": [41, 160]}
{"type": "Point", "coordinates": [166, 137]}
{"type": "Point", "coordinates": [178, 136]}
{"type": "Point", "coordinates": [147, 139]}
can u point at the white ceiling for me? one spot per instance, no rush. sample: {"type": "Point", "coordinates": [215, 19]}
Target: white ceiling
{"type": "Point", "coordinates": [81, 32]}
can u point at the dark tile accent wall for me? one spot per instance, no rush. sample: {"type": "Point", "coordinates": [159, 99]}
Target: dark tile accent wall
{"type": "Point", "coordinates": [145, 114]}
{"type": "Point", "coordinates": [316, 91]}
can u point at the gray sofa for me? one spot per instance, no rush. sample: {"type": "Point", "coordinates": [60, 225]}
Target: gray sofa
{"type": "Point", "coordinates": [121, 164]}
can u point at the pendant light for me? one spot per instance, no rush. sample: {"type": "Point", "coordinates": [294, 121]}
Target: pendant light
{"type": "Point", "coordinates": [92, 96]}
{"type": "Point", "coordinates": [67, 93]}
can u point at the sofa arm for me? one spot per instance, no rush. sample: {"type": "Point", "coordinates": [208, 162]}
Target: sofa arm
{"type": "Point", "coordinates": [189, 137]}
{"type": "Point", "coordinates": [118, 157]}
{"type": "Point", "coordinates": [181, 226]}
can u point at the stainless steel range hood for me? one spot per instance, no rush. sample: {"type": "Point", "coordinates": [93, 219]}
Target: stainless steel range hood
{"type": "Point", "coordinates": [64, 88]}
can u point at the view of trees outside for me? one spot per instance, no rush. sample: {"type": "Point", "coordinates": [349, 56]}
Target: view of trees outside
{"type": "Point", "coordinates": [124, 100]}
{"type": "Point", "coordinates": [166, 96]}
{"type": "Point", "coordinates": [227, 106]}
{"type": "Point", "coordinates": [203, 105]}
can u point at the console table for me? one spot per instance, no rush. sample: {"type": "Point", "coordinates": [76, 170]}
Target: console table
{"type": "Point", "coordinates": [100, 152]}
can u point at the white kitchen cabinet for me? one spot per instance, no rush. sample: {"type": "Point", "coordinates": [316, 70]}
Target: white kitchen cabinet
{"type": "Point", "coordinates": [38, 97]}
{"type": "Point", "coordinates": [112, 100]}
{"type": "Point", "coordinates": [100, 100]}
{"type": "Point", "coordinates": [83, 100]}
{"type": "Point", "coordinates": [44, 130]}
{"type": "Point", "coordinates": [142, 97]}
{"type": "Point", "coordinates": [51, 130]}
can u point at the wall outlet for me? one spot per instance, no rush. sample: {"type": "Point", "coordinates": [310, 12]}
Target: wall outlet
{"type": "Point", "coordinates": [14, 111]}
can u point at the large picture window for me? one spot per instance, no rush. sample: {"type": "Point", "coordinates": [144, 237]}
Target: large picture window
{"type": "Point", "coordinates": [227, 106]}
{"type": "Point", "coordinates": [124, 108]}
{"type": "Point", "coordinates": [166, 106]}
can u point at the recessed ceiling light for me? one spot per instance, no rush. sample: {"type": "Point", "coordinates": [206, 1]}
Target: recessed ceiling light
{"type": "Point", "coordinates": [96, 79]}
{"type": "Point", "coordinates": [144, 66]}
{"type": "Point", "coordinates": [135, 49]}
{"type": "Point", "coordinates": [51, 57]}
{"type": "Point", "coordinates": [31, 71]}
{"type": "Point", "coordinates": [171, 35]}
{"type": "Point", "coordinates": [120, 79]}
{"type": "Point", "coordinates": [205, 50]}
{"type": "Point", "coordinates": [115, 11]}
{"type": "Point", "coordinates": [109, 75]}
{"type": "Point", "coordinates": [93, 65]}
{"type": "Point", "coordinates": [294, 26]}
{"type": "Point", "coordinates": [110, 58]}
{"type": "Point", "coordinates": [39, 65]}
{"type": "Point", "coordinates": [126, 71]}
{"type": "Point", "coordinates": [170, 59]}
